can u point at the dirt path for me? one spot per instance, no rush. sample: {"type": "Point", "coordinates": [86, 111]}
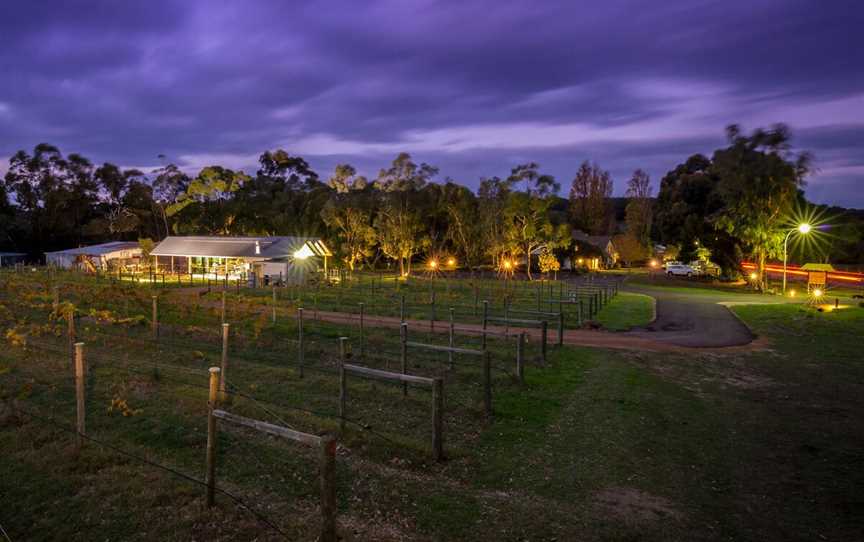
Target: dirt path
{"type": "Point", "coordinates": [636, 340]}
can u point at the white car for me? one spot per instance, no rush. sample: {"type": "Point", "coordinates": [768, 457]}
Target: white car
{"type": "Point", "coordinates": [681, 270]}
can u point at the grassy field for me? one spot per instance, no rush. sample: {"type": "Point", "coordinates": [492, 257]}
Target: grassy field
{"type": "Point", "coordinates": [596, 445]}
{"type": "Point", "coordinates": [625, 311]}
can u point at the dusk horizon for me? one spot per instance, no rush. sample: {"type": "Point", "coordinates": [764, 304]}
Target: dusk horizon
{"type": "Point", "coordinates": [474, 90]}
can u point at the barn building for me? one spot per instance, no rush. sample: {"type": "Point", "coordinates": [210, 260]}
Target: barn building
{"type": "Point", "coordinates": [93, 258]}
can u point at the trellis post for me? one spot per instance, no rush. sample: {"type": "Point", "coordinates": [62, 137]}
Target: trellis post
{"type": "Point", "coordinates": [403, 353]}
{"type": "Point", "coordinates": [80, 402]}
{"type": "Point", "coordinates": [300, 350]}
{"type": "Point", "coordinates": [210, 478]}
{"type": "Point", "coordinates": [224, 362]}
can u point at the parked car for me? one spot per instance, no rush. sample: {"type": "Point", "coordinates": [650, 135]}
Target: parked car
{"type": "Point", "coordinates": [680, 270]}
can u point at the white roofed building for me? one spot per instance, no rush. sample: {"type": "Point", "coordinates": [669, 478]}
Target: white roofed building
{"type": "Point", "coordinates": [276, 257]}
{"type": "Point", "coordinates": [104, 257]}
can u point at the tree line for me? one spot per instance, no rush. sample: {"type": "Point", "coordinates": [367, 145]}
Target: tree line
{"type": "Point", "coordinates": [732, 205]}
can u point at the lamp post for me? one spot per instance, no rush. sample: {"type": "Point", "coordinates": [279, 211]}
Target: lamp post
{"type": "Point", "coordinates": [803, 229]}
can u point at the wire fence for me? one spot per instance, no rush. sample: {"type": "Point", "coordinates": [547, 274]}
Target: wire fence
{"type": "Point", "coordinates": [152, 354]}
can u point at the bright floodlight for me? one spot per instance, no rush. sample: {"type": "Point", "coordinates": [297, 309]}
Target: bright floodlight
{"type": "Point", "coordinates": [507, 264]}
{"type": "Point", "coordinates": [433, 264]}
{"type": "Point", "coordinates": [753, 276]}
{"type": "Point", "coordinates": [451, 262]}
{"type": "Point", "coordinates": [303, 253]}
{"type": "Point", "coordinates": [804, 228]}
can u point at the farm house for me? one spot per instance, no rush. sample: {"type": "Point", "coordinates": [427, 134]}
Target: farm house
{"type": "Point", "coordinates": [104, 257]}
{"type": "Point", "coordinates": [259, 258]}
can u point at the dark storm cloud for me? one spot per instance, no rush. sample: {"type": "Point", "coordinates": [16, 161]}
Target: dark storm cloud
{"type": "Point", "coordinates": [473, 86]}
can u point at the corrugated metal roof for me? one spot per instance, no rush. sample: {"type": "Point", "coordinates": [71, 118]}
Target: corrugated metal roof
{"type": "Point", "coordinates": [98, 250]}
{"type": "Point", "coordinates": [238, 247]}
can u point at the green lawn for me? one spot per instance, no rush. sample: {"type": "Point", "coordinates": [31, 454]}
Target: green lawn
{"type": "Point", "coordinates": [626, 310]}
{"type": "Point", "coordinates": [597, 445]}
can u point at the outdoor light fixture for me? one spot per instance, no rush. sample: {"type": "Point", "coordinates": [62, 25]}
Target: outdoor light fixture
{"type": "Point", "coordinates": [433, 264]}
{"type": "Point", "coordinates": [817, 292]}
{"type": "Point", "coordinates": [303, 252]}
{"type": "Point", "coordinates": [653, 263]}
{"type": "Point", "coordinates": [451, 262]}
{"type": "Point", "coordinates": [803, 228]}
{"type": "Point", "coordinates": [791, 293]}
{"type": "Point", "coordinates": [507, 264]}
{"type": "Point", "coordinates": [753, 275]}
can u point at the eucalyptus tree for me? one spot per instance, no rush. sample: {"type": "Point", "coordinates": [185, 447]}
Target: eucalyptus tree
{"type": "Point", "coordinates": [589, 198]}
{"type": "Point", "coordinates": [758, 183]}
{"type": "Point", "coordinates": [53, 195]}
{"type": "Point", "coordinates": [465, 226]}
{"type": "Point", "coordinates": [168, 184]}
{"type": "Point", "coordinates": [492, 200]}
{"type": "Point", "coordinates": [206, 204]}
{"type": "Point", "coordinates": [528, 226]}
{"type": "Point", "coordinates": [400, 229]}
{"type": "Point", "coordinates": [117, 216]}
{"type": "Point", "coordinates": [349, 214]}
{"type": "Point", "coordinates": [639, 207]}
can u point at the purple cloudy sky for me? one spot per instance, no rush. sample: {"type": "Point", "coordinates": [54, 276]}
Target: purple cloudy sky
{"type": "Point", "coordinates": [471, 86]}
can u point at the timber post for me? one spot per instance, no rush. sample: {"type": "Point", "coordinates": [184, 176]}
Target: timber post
{"type": "Point", "coordinates": [210, 478]}
{"type": "Point", "coordinates": [80, 398]}
{"type": "Point", "coordinates": [300, 350]}
{"type": "Point", "coordinates": [403, 353]}
{"type": "Point", "coordinates": [224, 363]}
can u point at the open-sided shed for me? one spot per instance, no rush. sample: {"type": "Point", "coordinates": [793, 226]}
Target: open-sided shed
{"type": "Point", "coordinates": [275, 257]}
{"type": "Point", "coordinates": [97, 257]}
{"type": "Point", "coordinates": [11, 258]}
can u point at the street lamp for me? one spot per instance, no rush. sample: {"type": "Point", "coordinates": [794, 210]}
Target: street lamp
{"type": "Point", "coordinates": [803, 229]}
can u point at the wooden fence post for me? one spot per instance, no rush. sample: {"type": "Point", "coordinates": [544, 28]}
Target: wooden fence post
{"type": "Point", "coordinates": [476, 299]}
{"type": "Point", "coordinates": [70, 332]}
{"type": "Point", "coordinates": [300, 350]}
{"type": "Point", "coordinates": [403, 353]}
{"type": "Point", "coordinates": [438, 419]}
{"type": "Point", "coordinates": [402, 308]}
{"type": "Point", "coordinates": [544, 334]}
{"type": "Point", "coordinates": [487, 384]}
{"type": "Point", "coordinates": [362, 338]}
{"type": "Point", "coordinates": [520, 357]}
{"type": "Point", "coordinates": [343, 394]}
{"type": "Point", "coordinates": [274, 304]}
{"type": "Point", "coordinates": [327, 460]}
{"type": "Point", "coordinates": [560, 325]}
{"type": "Point", "coordinates": [223, 306]}
{"type": "Point", "coordinates": [154, 319]}
{"type": "Point", "coordinates": [485, 320]}
{"type": "Point", "coordinates": [224, 369]}
{"type": "Point", "coordinates": [343, 349]}
{"type": "Point", "coordinates": [432, 313]}
{"type": "Point", "coordinates": [210, 479]}
{"type": "Point", "coordinates": [506, 316]}
{"type": "Point", "coordinates": [81, 407]}
{"type": "Point", "coordinates": [539, 295]}
{"type": "Point", "coordinates": [452, 337]}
